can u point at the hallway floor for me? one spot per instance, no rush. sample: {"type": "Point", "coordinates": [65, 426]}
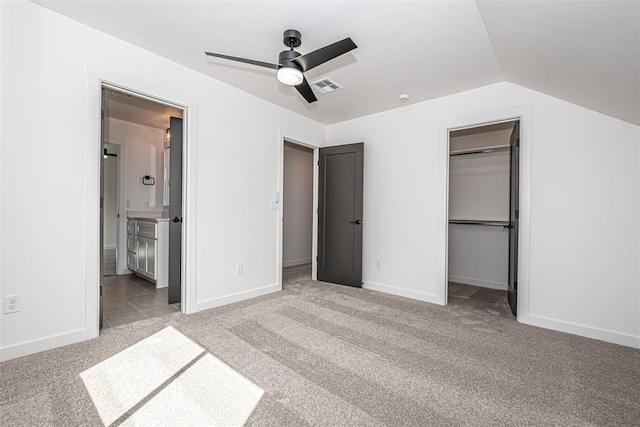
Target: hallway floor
{"type": "Point", "coordinates": [129, 298]}
{"type": "Point", "coordinates": [476, 298]}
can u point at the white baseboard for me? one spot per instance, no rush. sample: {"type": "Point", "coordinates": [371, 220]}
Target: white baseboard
{"type": "Point", "coordinates": [293, 262]}
{"type": "Point", "coordinates": [41, 344]}
{"type": "Point", "coordinates": [240, 296]}
{"type": "Point", "coordinates": [481, 283]}
{"type": "Point", "coordinates": [407, 293]}
{"type": "Point", "coordinates": [581, 330]}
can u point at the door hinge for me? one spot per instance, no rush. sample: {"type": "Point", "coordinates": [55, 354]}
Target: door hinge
{"type": "Point", "coordinates": [518, 142]}
{"type": "Point", "coordinates": [316, 259]}
{"type": "Point", "coordinates": [515, 285]}
{"type": "Point", "coordinates": [517, 213]}
{"type": "Point", "coordinates": [318, 162]}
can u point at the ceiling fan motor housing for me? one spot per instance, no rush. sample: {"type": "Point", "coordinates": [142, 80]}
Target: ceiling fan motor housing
{"type": "Point", "coordinates": [292, 38]}
{"type": "Point", "coordinates": [285, 59]}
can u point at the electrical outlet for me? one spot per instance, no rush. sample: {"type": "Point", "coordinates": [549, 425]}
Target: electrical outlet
{"type": "Point", "coordinates": [239, 269]}
{"type": "Point", "coordinates": [11, 304]}
{"type": "Point", "coordinates": [379, 264]}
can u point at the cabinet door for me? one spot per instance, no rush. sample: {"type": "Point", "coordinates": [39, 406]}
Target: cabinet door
{"type": "Point", "coordinates": [132, 261]}
{"type": "Point", "coordinates": [141, 255]}
{"type": "Point", "coordinates": [147, 257]}
{"type": "Point", "coordinates": [131, 243]}
{"type": "Point", "coordinates": [150, 268]}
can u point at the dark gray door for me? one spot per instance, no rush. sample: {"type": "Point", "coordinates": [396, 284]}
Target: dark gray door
{"type": "Point", "coordinates": [175, 211]}
{"type": "Point", "coordinates": [340, 215]}
{"type": "Point", "coordinates": [514, 217]}
{"type": "Point", "coordinates": [101, 247]}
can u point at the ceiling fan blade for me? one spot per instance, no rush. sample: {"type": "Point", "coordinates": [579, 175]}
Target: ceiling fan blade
{"type": "Point", "coordinates": [245, 60]}
{"type": "Point", "coordinates": [305, 91]}
{"type": "Point", "coordinates": [324, 54]}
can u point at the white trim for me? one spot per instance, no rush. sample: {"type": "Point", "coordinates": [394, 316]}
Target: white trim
{"type": "Point", "coordinates": [92, 209]}
{"type": "Point", "coordinates": [295, 262]}
{"type": "Point", "coordinates": [121, 256]}
{"type": "Point", "coordinates": [582, 330]}
{"type": "Point", "coordinates": [524, 115]}
{"type": "Point", "coordinates": [420, 296]}
{"type": "Point", "coordinates": [189, 203]}
{"type": "Point", "coordinates": [314, 237]}
{"type": "Point", "coordinates": [41, 344]}
{"type": "Point", "coordinates": [480, 283]}
{"type": "Point", "coordinates": [240, 296]}
{"type": "Point", "coordinates": [97, 78]}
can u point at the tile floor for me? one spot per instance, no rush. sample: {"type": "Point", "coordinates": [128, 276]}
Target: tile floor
{"type": "Point", "coordinates": [478, 298]}
{"type": "Point", "coordinates": [129, 298]}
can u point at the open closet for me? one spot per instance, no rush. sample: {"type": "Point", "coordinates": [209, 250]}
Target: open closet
{"type": "Point", "coordinates": [483, 215]}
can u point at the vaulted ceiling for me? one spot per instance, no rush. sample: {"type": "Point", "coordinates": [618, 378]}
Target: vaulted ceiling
{"type": "Point", "coordinates": [585, 52]}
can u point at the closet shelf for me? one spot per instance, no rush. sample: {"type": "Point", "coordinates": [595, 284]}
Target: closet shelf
{"type": "Point", "coordinates": [480, 150]}
{"type": "Point", "coordinates": [479, 222]}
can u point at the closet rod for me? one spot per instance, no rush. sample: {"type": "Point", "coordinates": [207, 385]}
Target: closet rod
{"type": "Point", "coordinates": [480, 222]}
{"type": "Point", "coordinates": [480, 150]}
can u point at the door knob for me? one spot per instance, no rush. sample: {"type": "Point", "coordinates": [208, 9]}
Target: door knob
{"type": "Point", "coordinates": [356, 222]}
{"type": "Point", "coordinates": [176, 219]}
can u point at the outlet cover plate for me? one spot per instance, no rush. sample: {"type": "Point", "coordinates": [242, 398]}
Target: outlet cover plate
{"type": "Point", "coordinates": [11, 304]}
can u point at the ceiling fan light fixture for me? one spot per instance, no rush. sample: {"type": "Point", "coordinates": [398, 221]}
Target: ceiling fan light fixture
{"type": "Point", "coordinates": [290, 76]}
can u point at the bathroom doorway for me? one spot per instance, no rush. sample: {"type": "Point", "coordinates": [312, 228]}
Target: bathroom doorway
{"type": "Point", "coordinates": [137, 135]}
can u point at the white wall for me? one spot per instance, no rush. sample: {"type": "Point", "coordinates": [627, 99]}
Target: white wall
{"type": "Point", "coordinates": [584, 207]}
{"type": "Point", "coordinates": [479, 190]}
{"type": "Point", "coordinates": [297, 205]}
{"type": "Point", "coordinates": [142, 148]}
{"type": "Point", "coordinates": [229, 193]}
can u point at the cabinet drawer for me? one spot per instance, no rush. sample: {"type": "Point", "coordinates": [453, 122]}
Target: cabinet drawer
{"type": "Point", "coordinates": [147, 229]}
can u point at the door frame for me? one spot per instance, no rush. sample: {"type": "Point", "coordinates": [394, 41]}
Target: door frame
{"type": "Point", "coordinates": [121, 267]}
{"type": "Point", "coordinates": [523, 114]}
{"type": "Point", "coordinates": [280, 215]}
{"type": "Point", "coordinates": [97, 78]}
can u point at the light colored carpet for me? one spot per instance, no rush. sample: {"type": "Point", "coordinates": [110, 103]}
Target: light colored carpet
{"type": "Point", "coordinates": [325, 354]}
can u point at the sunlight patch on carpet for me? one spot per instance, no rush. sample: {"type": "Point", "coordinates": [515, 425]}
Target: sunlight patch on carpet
{"type": "Point", "coordinates": [141, 386]}
{"type": "Point", "coordinates": [208, 393]}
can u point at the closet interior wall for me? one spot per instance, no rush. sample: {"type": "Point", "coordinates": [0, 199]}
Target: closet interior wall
{"type": "Point", "coordinates": [479, 206]}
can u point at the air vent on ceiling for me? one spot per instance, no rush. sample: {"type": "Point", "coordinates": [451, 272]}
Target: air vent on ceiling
{"type": "Point", "coordinates": [326, 85]}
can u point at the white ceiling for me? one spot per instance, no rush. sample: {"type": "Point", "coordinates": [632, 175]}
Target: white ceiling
{"type": "Point", "coordinates": [586, 52]}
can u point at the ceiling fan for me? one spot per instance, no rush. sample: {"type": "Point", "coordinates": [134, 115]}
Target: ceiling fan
{"type": "Point", "coordinates": [291, 64]}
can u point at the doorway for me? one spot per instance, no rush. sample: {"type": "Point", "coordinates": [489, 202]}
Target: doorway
{"type": "Point", "coordinates": [483, 217]}
{"type": "Point", "coordinates": [297, 212]}
{"type": "Point", "coordinates": [139, 287]}
{"type": "Point", "coordinates": [110, 238]}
